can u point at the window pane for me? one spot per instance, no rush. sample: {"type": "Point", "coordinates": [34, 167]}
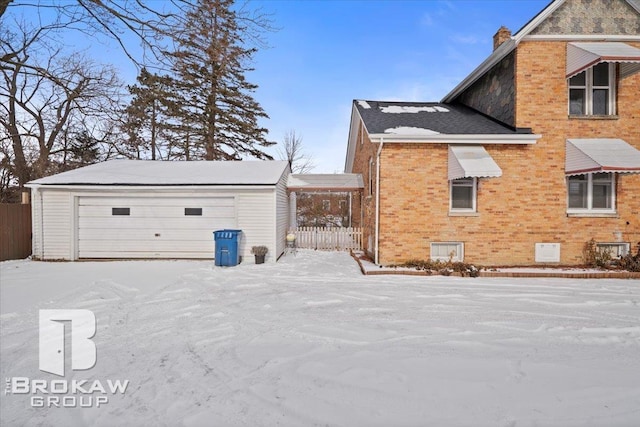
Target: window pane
{"type": "Point", "coordinates": [578, 192]}
{"type": "Point", "coordinates": [120, 211]}
{"type": "Point", "coordinates": [576, 101]}
{"type": "Point", "coordinates": [578, 80]}
{"type": "Point", "coordinates": [602, 176]}
{"type": "Point", "coordinates": [461, 197]}
{"type": "Point", "coordinates": [601, 74]}
{"type": "Point", "coordinates": [602, 191]}
{"type": "Point", "coordinates": [601, 101]}
{"type": "Point", "coordinates": [193, 211]}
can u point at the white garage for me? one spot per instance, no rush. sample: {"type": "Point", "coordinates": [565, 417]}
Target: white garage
{"type": "Point", "coordinates": [128, 209]}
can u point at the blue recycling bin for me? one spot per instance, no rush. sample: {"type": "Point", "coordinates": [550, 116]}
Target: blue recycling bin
{"type": "Point", "coordinates": [227, 247]}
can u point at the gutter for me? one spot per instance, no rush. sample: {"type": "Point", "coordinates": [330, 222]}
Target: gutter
{"type": "Point", "coordinates": [481, 139]}
{"type": "Point", "coordinates": [377, 225]}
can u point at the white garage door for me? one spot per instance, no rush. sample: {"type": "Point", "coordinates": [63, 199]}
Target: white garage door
{"type": "Point", "coordinates": [154, 227]}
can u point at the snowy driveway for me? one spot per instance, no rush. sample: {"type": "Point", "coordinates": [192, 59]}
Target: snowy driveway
{"type": "Point", "coordinates": [310, 341]}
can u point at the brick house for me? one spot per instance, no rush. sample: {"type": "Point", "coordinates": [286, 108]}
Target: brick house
{"type": "Point", "coordinates": [533, 154]}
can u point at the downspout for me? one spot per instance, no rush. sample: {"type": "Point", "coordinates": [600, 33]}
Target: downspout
{"type": "Point", "coordinates": [376, 250]}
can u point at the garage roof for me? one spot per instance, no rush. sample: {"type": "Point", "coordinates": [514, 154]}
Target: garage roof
{"type": "Point", "coordinates": [149, 172]}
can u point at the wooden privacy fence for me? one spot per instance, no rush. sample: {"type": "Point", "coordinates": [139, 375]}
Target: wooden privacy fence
{"type": "Point", "coordinates": [328, 238]}
{"type": "Point", "coordinates": [15, 231]}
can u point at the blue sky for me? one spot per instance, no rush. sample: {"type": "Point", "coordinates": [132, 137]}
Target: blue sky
{"type": "Point", "coordinates": [328, 52]}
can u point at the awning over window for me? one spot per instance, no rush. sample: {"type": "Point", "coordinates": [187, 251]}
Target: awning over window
{"type": "Point", "coordinates": [471, 161]}
{"type": "Point", "coordinates": [581, 56]}
{"type": "Point", "coordinates": [601, 155]}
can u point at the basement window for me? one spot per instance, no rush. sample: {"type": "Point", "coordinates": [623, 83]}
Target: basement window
{"type": "Point", "coordinates": [121, 211]}
{"type": "Point", "coordinates": [193, 211]}
{"type": "Point", "coordinates": [615, 250]}
{"type": "Point", "coordinates": [445, 251]}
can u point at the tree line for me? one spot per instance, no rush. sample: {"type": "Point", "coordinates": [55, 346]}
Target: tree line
{"type": "Point", "coordinates": [61, 109]}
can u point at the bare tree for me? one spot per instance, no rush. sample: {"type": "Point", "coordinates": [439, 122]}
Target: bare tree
{"type": "Point", "coordinates": [293, 152]}
{"type": "Point", "coordinates": [150, 22]}
{"type": "Point", "coordinates": [45, 97]}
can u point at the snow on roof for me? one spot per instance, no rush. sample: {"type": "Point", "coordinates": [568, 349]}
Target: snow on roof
{"type": "Point", "coordinates": [149, 172]}
{"type": "Point", "coordinates": [336, 181]}
{"type": "Point", "coordinates": [408, 130]}
{"type": "Point", "coordinates": [364, 104]}
{"type": "Point", "coordinates": [397, 109]}
{"type": "Point", "coordinates": [384, 116]}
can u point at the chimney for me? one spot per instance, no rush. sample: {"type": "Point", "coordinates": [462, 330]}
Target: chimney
{"type": "Point", "coordinates": [501, 36]}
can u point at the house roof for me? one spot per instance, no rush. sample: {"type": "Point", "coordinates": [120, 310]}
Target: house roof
{"type": "Point", "coordinates": [333, 182]}
{"type": "Point", "coordinates": [510, 45]}
{"type": "Point", "coordinates": [426, 118]}
{"type": "Point", "coordinates": [149, 172]}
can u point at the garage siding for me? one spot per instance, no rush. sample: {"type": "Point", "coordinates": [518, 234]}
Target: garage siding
{"type": "Point", "coordinates": [59, 236]}
{"type": "Point", "coordinates": [255, 219]}
{"type": "Point", "coordinates": [56, 224]}
{"type": "Point", "coordinates": [282, 212]}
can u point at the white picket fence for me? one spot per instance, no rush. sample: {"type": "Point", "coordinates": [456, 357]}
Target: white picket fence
{"type": "Point", "coordinates": [328, 238]}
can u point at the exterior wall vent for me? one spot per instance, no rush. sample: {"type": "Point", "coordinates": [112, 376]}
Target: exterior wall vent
{"type": "Point", "coordinates": [547, 252]}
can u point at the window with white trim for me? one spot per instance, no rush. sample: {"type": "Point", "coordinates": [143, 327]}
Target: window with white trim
{"type": "Point", "coordinates": [462, 195]}
{"type": "Point", "coordinates": [445, 251]}
{"type": "Point", "coordinates": [615, 249]}
{"type": "Point", "coordinates": [592, 92]}
{"type": "Point", "coordinates": [591, 192]}
{"type": "Point", "coordinates": [326, 205]}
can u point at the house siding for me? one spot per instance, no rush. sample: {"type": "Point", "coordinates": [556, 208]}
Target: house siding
{"type": "Point", "coordinates": [591, 17]}
{"type": "Point", "coordinates": [494, 93]}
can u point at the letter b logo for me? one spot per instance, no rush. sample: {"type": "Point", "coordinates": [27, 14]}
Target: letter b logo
{"type": "Point", "coordinates": [83, 350]}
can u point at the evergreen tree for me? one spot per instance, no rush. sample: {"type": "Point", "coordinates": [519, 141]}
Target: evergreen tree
{"type": "Point", "coordinates": [210, 63]}
{"type": "Point", "coordinates": [149, 122]}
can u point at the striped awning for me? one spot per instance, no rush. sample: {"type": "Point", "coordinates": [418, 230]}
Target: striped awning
{"type": "Point", "coordinates": [471, 161]}
{"type": "Point", "coordinates": [601, 155]}
{"type": "Point", "coordinates": [581, 56]}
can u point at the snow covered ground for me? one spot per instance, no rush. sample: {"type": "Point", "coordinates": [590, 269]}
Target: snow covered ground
{"type": "Point", "coordinates": [310, 341]}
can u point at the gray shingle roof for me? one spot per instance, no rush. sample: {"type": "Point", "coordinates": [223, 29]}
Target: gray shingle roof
{"type": "Point", "coordinates": [425, 118]}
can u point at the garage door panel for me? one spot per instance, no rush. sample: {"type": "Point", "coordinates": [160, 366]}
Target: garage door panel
{"type": "Point", "coordinates": [195, 202]}
{"type": "Point", "coordinates": [148, 245]}
{"type": "Point", "coordinates": [116, 223]}
{"type": "Point", "coordinates": [175, 235]}
{"type": "Point", "coordinates": [91, 254]}
{"type": "Point", "coordinates": [155, 211]}
{"type": "Point", "coordinates": [156, 227]}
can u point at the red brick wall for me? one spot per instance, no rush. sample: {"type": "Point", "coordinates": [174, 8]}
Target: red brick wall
{"type": "Point", "coordinates": [364, 151]}
{"type": "Point", "coordinates": [527, 205]}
